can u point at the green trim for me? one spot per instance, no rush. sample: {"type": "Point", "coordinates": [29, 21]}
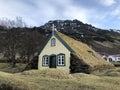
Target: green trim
{"type": "Point", "coordinates": [55, 59]}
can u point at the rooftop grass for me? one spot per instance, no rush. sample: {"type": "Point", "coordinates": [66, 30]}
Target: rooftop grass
{"type": "Point", "coordinates": [85, 53]}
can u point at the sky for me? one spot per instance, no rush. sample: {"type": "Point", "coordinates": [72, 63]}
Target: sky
{"type": "Point", "coordinates": [103, 14]}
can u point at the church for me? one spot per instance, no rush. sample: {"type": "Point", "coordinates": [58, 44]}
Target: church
{"type": "Point", "coordinates": [55, 53]}
{"type": "Point", "coordinates": [62, 52]}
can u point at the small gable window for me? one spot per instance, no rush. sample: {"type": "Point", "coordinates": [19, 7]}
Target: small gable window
{"type": "Point", "coordinates": [45, 60]}
{"type": "Point", "coordinates": [61, 59]}
{"type": "Point", "coordinates": [53, 42]}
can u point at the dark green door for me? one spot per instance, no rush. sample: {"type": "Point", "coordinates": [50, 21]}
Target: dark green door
{"type": "Point", "coordinates": [52, 63]}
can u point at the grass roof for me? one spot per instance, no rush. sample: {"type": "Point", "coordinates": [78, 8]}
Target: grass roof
{"type": "Point", "coordinates": [85, 53]}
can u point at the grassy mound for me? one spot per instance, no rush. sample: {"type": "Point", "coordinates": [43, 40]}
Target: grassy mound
{"type": "Point", "coordinates": [86, 54]}
{"type": "Point", "coordinates": [49, 73]}
{"type": "Point", "coordinates": [11, 82]}
{"type": "Point", "coordinates": [56, 80]}
{"type": "Point", "coordinates": [98, 82]}
{"type": "Point", "coordinates": [82, 75]}
{"type": "Point", "coordinates": [113, 73]}
{"type": "Point", "coordinates": [117, 64]}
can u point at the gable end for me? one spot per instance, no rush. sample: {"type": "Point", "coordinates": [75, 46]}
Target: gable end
{"type": "Point", "coordinates": [63, 42]}
{"type": "Point", "coordinates": [59, 38]}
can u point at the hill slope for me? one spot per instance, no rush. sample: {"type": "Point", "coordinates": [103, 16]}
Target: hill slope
{"type": "Point", "coordinates": [99, 39]}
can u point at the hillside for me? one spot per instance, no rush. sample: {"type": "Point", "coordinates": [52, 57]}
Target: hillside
{"type": "Point", "coordinates": [99, 39]}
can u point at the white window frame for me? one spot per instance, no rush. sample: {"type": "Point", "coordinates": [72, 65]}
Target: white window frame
{"type": "Point", "coordinates": [118, 58]}
{"type": "Point", "coordinates": [61, 59]}
{"type": "Point", "coordinates": [45, 60]}
{"type": "Point", "coordinates": [53, 42]}
{"type": "Point", "coordinates": [110, 59]}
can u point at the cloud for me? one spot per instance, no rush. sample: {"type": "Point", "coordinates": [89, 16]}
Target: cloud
{"type": "Point", "coordinates": [63, 10]}
{"type": "Point", "coordinates": [38, 12]}
{"type": "Point", "coordinates": [116, 11]}
{"type": "Point", "coordinates": [13, 8]}
{"type": "Point", "coordinates": [53, 9]}
{"type": "Point", "coordinates": [107, 2]}
{"type": "Point", "coordinates": [76, 12]}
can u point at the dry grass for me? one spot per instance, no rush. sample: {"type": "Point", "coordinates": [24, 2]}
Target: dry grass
{"type": "Point", "coordinates": [88, 55]}
{"type": "Point", "coordinates": [110, 72]}
{"type": "Point", "coordinates": [99, 83]}
{"type": "Point", "coordinates": [48, 73]}
{"type": "Point", "coordinates": [7, 67]}
{"type": "Point", "coordinates": [56, 80]}
{"type": "Point", "coordinates": [10, 82]}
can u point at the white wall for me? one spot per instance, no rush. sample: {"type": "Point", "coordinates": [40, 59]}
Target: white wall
{"type": "Point", "coordinates": [49, 50]}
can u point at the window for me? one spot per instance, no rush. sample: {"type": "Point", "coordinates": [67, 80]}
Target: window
{"type": "Point", "coordinates": [118, 58]}
{"type": "Point", "coordinates": [53, 42]}
{"type": "Point", "coordinates": [45, 60]}
{"type": "Point", "coordinates": [61, 60]}
{"type": "Point", "coordinates": [110, 60]}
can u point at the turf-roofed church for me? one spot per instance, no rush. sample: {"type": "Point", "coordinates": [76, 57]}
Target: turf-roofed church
{"type": "Point", "coordinates": [55, 53]}
{"type": "Point", "coordinates": [63, 52]}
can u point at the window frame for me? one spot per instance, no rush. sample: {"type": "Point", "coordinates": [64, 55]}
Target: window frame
{"type": "Point", "coordinates": [60, 56]}
{"type": "Point", "coordinates": [45, 60]}
{"type": "Point", "coordinates": [118, 58]}
{"type": "Point", "coordinates": [110, 59]}
{"type": "Point", "coordinates": [53, 42]}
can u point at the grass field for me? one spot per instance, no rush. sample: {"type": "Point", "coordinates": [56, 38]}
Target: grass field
{"type": "Point", "coordinates": [7, 67]}
{"type": "Point", "coordinates": [55, 79]}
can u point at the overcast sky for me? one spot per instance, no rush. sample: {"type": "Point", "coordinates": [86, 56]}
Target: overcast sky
{"type": "Point", "coordinates": [100, 13]}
